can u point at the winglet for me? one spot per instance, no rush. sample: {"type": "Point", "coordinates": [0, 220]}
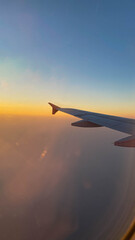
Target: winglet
{"type": "Point", "coordinates": [54, 108]}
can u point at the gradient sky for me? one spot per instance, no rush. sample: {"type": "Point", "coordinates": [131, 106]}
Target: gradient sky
{"type": "Point", "coordinates": [74, 53]}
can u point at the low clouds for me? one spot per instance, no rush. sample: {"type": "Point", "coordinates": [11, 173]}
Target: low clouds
{"type": "Point", "coordinates": [54, 182]}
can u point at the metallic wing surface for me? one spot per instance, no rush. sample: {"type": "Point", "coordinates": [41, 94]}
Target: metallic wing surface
{"type": "Point", "coordinates": [92, 119]}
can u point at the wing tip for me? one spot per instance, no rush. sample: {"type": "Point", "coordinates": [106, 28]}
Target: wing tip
{"type": "Point", "coordinates": [54, 108]}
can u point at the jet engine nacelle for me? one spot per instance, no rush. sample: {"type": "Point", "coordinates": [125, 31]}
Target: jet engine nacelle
{"type": "Point", "coordinates": [86, 124]}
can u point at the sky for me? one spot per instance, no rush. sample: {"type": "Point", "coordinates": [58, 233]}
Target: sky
{"type": "Point", "coordinates": [73, 53]}
{"type": "Point", "coordinates": [58, 181]}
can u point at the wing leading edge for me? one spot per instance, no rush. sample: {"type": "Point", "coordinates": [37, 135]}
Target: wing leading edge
{"type": "Point", "coordinates": [92, 119]}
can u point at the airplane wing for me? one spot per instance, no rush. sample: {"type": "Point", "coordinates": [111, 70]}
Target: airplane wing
{"type": "Point", "coordinates": [92, 119]}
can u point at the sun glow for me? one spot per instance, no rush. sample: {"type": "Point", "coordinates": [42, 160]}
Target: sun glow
{"type": "Point", "coordinates": [45, 110]}
{"type": "Point", "coordinates": [22, 109]}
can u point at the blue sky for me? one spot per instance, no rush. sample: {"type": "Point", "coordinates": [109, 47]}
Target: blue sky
{"type": "Point", "coordinates": [80, 53]}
